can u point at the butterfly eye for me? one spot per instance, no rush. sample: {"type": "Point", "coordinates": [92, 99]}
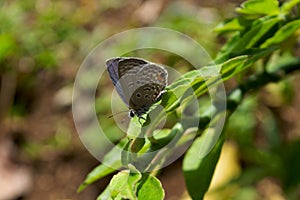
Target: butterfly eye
{"type": "Point", "coordinates": [146, 96]}
{"type": "Point", "coordinates": [138, 95]}
{"type": "Point", "coordinates": [138, 82]}
{"type": "Point", "coordinates": [131, 114]}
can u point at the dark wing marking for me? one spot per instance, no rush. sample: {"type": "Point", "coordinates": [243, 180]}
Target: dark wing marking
{"type": "Point", "coordinates": [130, 65]}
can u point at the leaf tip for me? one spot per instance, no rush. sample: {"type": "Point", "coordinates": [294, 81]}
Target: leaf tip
{"type": "Point", "coordinates": [81, 187]}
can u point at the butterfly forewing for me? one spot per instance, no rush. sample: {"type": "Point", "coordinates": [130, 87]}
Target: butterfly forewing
{"type": "Point", "coordinates": [112, 68]}
{"type": "Point", "coordinates": [130, 65]}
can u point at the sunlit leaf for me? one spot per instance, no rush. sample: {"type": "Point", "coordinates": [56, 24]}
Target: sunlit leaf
{"type": "Point", "coordinates": [252, 37]}
{"type": "Point", "coordinates": [256, 33]}
{"type": "Point", "coordinates": [130, 184]}
{"type": "Point", "coordinates": [105, 195]}
{"type": "Point", "coordinates": [234, 24]}
{"type": "Point", "coordinates": [232, 66]}
{"type": "Point", "coordinates": [150, 188]}
{"type": "Point", "coordinates": [259, 7]}
{"type": "Point", "coordinates": [283, 33]}
{"type": "Point", "coordinates": [124, 185]}
{"type": "Point", "coordinates": [288, 5]}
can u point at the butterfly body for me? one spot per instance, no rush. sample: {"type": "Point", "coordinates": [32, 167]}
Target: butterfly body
{"type": "Point", "coordinates": [139, 83]}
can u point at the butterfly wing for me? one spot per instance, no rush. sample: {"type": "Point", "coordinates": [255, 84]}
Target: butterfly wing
{"type": "Point", "coordinates": [123, 73]}
{"type": "Point", "coordinates": [112, 68]}
{"type": "Point", "coordinates": [130, 66]}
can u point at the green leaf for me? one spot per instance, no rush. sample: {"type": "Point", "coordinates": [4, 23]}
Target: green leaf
{"type": "Point", "coordinates": [96, 174]}
{"type": "Point", "coordinates": [169, 101]}
{"type": "Point", "coordinates": [150, 188]}
{"type": "Point", "coordinates": [232, 66]}
{"type": "Point", "coordinates": [134, 128]}
{"type": "Point", "coordinates": [200, 79]}
{"type": "Point", "coordinates": [256, 33]}
{"type": "Point", "coordinates": [105, 195]}
{"type": "Point", "coordinates": [234, 24]}
{"type": "Point", "coordinates": [191, 81]}
{"type": "Point", "coordinates": [287, 6]}
{"type": "Point", "coordinates": [112, 159]}
{"type": "Point", "coordinates": [158, 142]}
{"type": "Point", "coordinates": [199, 163]}
{"type": "Point", "coordinates": [283, 33]}
{"type": "Point", "coordinates": [133, 185]}
{"type": "Point", "coordinates": [252, 37]}
{"type": "Point", "coordinates": [137, 144]}
{"type": "Point", "coordinates": [225, 52]}
{"type": "Point", "coordinates": [240, 63]}
{"type": "Point", "coordinates": [185, 79]}
{"type": "Point", "coordinates": [126, 156]}
{"type": "Point", "coordinates": [165, 136]}
{"type": "Point", "coordinates": [259, 7]}
{"type": "Point", "coordinates": [124, 184]}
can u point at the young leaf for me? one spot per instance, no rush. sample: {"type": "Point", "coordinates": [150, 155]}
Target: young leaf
{"type": "Point", "coordinates": [105, 195]}
{"type": "Point", "coordinates": [124, 185]}
{"type": "Point", "coordinates": [259, 7]}
{"type": "Point", "coordinates": [150, 188]}
{"type": "Point", "coordinates": [96, 174]}
{"type": "Point", "coordinates": [234, 24]}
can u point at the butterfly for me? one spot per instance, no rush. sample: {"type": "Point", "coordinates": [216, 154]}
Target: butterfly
{"type": "Point", "coordinates": [139, 83]}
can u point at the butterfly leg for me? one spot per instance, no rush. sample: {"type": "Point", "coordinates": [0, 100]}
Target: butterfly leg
{"type": "Point", "coordinates": [139, 119]}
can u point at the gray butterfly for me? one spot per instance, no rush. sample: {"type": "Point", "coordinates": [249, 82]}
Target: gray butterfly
{"type": "Point", "coordinates": [139, 83]}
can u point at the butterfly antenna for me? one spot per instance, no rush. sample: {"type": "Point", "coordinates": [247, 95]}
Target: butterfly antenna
{"type": "Point", "coordinates": [110, 116]}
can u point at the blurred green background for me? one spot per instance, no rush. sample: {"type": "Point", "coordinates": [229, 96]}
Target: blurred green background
{"type": "Point", "coordinates": [43, 43]}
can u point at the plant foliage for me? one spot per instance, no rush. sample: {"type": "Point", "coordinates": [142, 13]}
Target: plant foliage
{"type": "Point", "coordinates": [264, 28]}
